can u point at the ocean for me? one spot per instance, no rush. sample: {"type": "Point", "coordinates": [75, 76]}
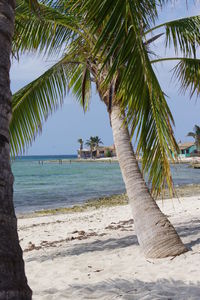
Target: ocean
{"type": "Point", "coordinates": [40, 186]}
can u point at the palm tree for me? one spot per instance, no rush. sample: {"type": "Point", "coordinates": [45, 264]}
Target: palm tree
{"type": "Point", "coordinates": [196, 136]}
{"type": "Point", "coordinates": [13, 282]}
{"type": "Point", "coordinates": [97, 141]}
{"type": "Point", "coordinates": [92, 144]}
{"type": "Point", "coordinates": [112, 49]}
{"type": "Point", "coordinates": [80, 141]}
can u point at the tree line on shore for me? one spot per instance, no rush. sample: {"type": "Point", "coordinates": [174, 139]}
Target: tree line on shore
{"type": "Point", "coordinates": [107, 43]}
{"type": "Point", "coordinates": [93, 143]}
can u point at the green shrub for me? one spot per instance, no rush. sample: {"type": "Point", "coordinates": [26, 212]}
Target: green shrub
{"type": "Point", "coordinates": [108, 153]}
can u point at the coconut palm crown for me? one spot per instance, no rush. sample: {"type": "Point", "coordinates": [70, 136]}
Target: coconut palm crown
{"type": "Point", "coordinates": [97, 141]}
{"type": "Point", "coordinates": [91, 143]}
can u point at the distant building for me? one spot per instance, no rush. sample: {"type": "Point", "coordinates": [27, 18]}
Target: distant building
{"type": "Point", "coordinates": [187, 149]}
{"type": "Point", "coordinates": [84, 153]}
{"type": "Point", "coordinates": [100, 152]}
{"type": "Point", "coordinates": [105, 151]}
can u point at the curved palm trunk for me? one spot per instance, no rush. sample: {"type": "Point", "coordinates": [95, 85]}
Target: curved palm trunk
{"type": "Point", "coordinates": [156, 235]}
{"type": "Point", "coordinates": [13, 283]}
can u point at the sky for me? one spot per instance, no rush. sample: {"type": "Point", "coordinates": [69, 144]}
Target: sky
{"type": "Point", "coordinates": [69, 123]}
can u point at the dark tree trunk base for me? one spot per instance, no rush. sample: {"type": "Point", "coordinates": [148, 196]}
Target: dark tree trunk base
{"type": "Point", "coordinates": [13, 282]}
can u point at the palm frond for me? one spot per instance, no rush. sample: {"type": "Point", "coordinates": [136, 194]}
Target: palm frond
{"type": "Point", "coordinates": [32, 105]}
{"type": "Point", "coordinates": [153, 39]}
{"type": "Point", "coordinates": [33, 4]}
{"type": "Point", "coordinates": [150, 117]}
{"type": "Point", "coordinates": [145, 11]}
{"type": "Point", "coordinates": [192, 134]}
{"type": "Point", "coordinates": [197, 129]}
{"type": "Point", "coordinates": [187, 72]}
{"type": "Point", "coordinates": [47, 33]}
{"type": "Point", "coordinates": [80, 85]}
{"type": "Point", "coordinates": [182, 34]}
{"type": "Point", "coordinates": [86, 88]}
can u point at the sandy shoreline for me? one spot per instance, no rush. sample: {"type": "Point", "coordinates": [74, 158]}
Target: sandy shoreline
{"type": "Point", "coordinates": [95, 255]}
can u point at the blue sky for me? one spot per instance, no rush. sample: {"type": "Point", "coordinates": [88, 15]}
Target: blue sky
{"type": "Point", "coordinates": [67, 124]}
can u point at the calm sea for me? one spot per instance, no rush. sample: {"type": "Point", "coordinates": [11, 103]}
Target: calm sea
{"type": "Point", "coordinates": [40, 186]}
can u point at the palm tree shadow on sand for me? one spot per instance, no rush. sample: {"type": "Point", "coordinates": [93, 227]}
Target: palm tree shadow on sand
{"type": "Point", "coordinates": [131, 290]}
{"type": "Point", "coordinates": [189, 232]}
{"type": "Point", "coordinates": [98, 245]}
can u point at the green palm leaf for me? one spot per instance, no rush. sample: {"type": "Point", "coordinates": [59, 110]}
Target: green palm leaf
{"type": "Point", "coordinates": [148, 114]}
{"type": "Point", "coordinates": [192, 134]}
{"type": "Point", "coordinates": [33, 104]}
{"type": "Point", "coordinates": [80, 84]}
{"type": "Point", "coordinates": [47, 33]}
{"type": "Point", "coordinates": [182, 34]}
{"type": "Point", "coordinates": [187, 72]}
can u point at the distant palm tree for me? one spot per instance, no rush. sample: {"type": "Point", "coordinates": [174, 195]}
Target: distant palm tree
{"type": "Point", "coordinates": [92, 144]}
{"type": "Point", "coordinates": [196, 136]}
{"type": "Point", "coordinates": [98, 141]}
{"type": "Point", "coordinates": [80, 141]}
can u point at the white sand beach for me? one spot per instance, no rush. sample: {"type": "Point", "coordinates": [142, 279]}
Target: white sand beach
{"type": "Point", "coordinates": [95, 255]}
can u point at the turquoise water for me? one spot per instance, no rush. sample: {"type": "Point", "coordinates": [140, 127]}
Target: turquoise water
{"type": "Point", "coordinates": [51, 185]}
